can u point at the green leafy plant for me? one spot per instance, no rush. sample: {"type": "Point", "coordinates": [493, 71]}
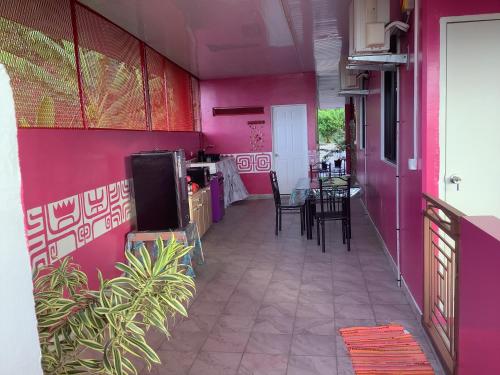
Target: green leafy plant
{"type": "Point", "coordinates": [331, 125]}
{"type": "Point", "coordinates": [100, 331]}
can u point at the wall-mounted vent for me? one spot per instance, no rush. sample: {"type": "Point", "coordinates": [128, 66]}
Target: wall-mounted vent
{"type": "Point", "coordinates": [236, 111]}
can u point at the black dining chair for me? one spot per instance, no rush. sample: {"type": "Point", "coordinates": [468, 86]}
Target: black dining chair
{"type": "Point", "coordinates": [318, 170]}
{"type": "Point", "coordinates": [334, 205]}
{"type": "Point", "coordinates": [295, 206]}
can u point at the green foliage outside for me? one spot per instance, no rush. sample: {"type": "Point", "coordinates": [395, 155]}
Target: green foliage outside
{"type": "Point", "coordinates": [331, 126]}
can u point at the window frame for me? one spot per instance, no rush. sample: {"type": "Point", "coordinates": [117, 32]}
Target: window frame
{"type": "Point", "coordinates": [362, 122]}
{"type": "Point", "coordinates": [389, 143]}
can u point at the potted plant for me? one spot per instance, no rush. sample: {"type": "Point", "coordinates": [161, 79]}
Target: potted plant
{"type": "Point", "coordinates": [100, 331]}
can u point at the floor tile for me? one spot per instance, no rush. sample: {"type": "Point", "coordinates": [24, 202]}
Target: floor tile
{"type": "Point", "coordinates": [265, 294]}
{"type": "Point", "coordinates": [358, 311]}
{"type": "Point", "coordinates": [173, 363]}
{"type": "Point", "coordinates": [315, 310]}
{"type": "Point", "coordinates": [312, 365]}
{"type": "Point", "coordinates": [274, 324]}
{"type": "Point", "coordinates": [344, 366]}
{"type": "Point", "coordinates": [196, 323]}
{"type": "Point", "coordinates": [314, 326]}
{"type": "Point", "coordinates": [313, 345]}
{"type": "Point", "coordinates": [234, 322]}
{"type": "Point", "coordinates": [278, 309]}
{"type": "Point", "coordinates": [185, 342]}
{"type": "Point", "coordinates": [263, 364]}
{"type": "Point", "coordinates": [388, 297]}
{"type": "Point", "coordinates": [214, 363]}
{"type": "Point", "coordinates": [268, 343]}
{"type": "Point", "coordinates": [226, 340]}
{"type": "Point", "coordinates": [351, 298]}
{"type": "Point", "coordinates": [242, 306]}
{"type": "Point", "coordinates": [390, 312]}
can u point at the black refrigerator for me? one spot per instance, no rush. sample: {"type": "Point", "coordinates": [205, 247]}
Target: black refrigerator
{"type": "Point", "coordinates": [160, 190]}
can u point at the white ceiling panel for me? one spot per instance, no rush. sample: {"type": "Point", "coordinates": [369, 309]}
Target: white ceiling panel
{"type": "Point", "coordinates": [237, 38]}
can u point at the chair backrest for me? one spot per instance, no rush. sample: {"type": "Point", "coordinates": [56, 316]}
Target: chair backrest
{"type": "Point", "coordinates": [275, 187]}
{"type": "Point", "coordinates": [335, 195]}
{"type": "Point", "coordinates": [318, 170]}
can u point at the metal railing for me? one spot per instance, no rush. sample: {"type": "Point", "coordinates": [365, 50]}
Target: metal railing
{"type": "Point", "coordinates": [441, 252]}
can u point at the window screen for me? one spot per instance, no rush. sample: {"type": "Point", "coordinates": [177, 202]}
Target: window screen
{"type": "Point", "coordinates": [36, 46]}
{"type": "Point", "coordinates": [390, 116]}
{"type": "Point", "coordinates": [179, 98]}
{"type": "Point", "coordinates": [157, 89]}
{"type": "Point", "coordinates": [111, 70]}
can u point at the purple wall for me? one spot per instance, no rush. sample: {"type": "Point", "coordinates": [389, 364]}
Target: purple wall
{"type": "Point", "coordinates": [231, 134]}
{"type": "Point", "coordinates": [478, 305]}
{"type": "Point", "coordinates": [59, 164]}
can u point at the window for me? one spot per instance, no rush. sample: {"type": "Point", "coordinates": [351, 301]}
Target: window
{"type": "Point", "coordinates": [362, 122]}
{"type": "Point", "coordinates": [390, 106]}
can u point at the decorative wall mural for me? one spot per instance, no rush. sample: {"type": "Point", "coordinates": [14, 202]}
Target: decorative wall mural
{"type": "Point", "coordinates": [256, 135]}
{"type": "Point", "coordinates": [253, 162]}
{"type": "Point", "coordinates": [56, 229]}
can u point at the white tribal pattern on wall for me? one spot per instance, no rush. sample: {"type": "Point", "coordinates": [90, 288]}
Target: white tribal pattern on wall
{"type": "Point", "coordinates": [253, 162]}
{"type": "Point", "coordinates": [59, 228]}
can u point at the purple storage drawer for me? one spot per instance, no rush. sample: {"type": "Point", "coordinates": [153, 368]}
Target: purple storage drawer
{"type": "Point", "coordinates": [217, 191]}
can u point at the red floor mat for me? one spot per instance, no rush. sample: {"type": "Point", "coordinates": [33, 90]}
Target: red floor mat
{"type": "Point", "coordinates": [385, 350]}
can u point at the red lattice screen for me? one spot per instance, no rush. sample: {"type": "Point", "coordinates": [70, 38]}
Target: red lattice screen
{"type": "Point", "coordinates": [36, 46]}
{"type": "Point", "coordinates": [179, 98]}
{"type": "Point", "coordinates": [157, 89]}
{"type": "Point", "coordinates": [111, 74]}
{"type": "Point", "coordinates": [195, 84]}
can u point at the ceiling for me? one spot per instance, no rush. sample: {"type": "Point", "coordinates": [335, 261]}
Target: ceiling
{"type": "Point", "coordinates": [237, 38]}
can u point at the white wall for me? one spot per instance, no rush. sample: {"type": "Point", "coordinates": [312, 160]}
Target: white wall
{"type": "Point", "coordinates": [19, 346]}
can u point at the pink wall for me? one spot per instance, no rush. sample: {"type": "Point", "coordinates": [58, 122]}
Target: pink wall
{"type": "Point", "coordinates": [231, 134]}
{"type": "Point", "coordinates": [478, 305]}
{"type": "Point", "coordinates": [380, 180]}
{"type": "Point", "coordinates": [56, 164]}
{"type": "Point", "coordinates": [432, 11]}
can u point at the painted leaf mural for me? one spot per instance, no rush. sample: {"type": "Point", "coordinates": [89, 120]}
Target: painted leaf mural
{"type": "Point", "coordinates": [37, 49]}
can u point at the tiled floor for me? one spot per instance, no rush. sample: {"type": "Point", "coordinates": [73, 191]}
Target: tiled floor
{"type": "Point", "coordinates": [273, 305]}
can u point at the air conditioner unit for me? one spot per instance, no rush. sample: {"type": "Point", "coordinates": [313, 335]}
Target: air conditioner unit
{"type": "Point", "coordinates": [348, 78]}
{"type": "Point", "coordinates": [367, 21]}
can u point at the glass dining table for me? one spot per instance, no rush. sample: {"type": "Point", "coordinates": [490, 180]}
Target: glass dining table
{"type": "Point", "coordinates": [306, 190]}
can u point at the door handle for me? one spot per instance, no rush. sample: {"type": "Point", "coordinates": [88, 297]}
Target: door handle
{"type": "Point", "coordinates": [276, 154]}
{"type": "Point", "coordinates": [454, 179]}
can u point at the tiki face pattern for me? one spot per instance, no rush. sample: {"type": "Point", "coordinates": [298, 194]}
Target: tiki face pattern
{"type": "Point", "coordinates": [56, 229]}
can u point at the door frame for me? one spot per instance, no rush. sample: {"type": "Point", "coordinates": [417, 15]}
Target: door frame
{"type": "Point", "coordinates": [272, 131]}
{"type": "Point", "coordinates": [443, 23]}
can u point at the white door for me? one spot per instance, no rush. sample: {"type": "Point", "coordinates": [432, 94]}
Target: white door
{"type": "Point", "coordinates": [471, 173]}
{"type": "Point", "coordinates": [290, 158]}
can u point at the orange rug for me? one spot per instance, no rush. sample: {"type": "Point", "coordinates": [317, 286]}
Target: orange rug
{"type": "Point", "coordinates": [385, 350]}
